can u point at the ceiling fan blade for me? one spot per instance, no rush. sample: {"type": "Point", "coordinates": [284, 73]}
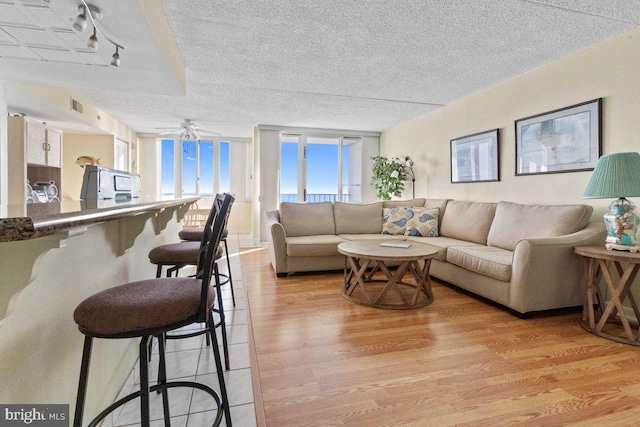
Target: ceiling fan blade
{"type": "Point", "coordinates": [171, 132]}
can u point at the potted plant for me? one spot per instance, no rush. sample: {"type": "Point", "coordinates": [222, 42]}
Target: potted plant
{"type": "Point", "coordinates": [388, 177]}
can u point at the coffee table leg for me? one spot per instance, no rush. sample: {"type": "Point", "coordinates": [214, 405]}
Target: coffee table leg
{"type": "Point", "coordinates": [423, 280]}
{"type": "Point", "coordinates": [393, 279]}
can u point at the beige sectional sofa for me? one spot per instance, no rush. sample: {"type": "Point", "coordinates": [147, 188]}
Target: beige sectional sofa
{"type": "Point", "coordinates": [520, 256]}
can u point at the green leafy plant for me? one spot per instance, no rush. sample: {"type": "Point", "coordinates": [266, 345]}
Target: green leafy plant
{"type": "Point", "coordinates": [388, 177]}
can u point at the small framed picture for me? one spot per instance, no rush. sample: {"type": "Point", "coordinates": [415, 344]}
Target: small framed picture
{"type": "Point", "coordinates": [564, 140]}
{"type": "Point", "coordinates": [474, 158]}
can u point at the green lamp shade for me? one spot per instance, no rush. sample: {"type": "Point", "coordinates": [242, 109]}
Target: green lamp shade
{"type": "Point", "coordinates": [616, 175]}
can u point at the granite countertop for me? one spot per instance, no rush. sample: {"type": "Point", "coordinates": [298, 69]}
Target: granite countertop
{"type": "Point", "coordinates": [23, 222]}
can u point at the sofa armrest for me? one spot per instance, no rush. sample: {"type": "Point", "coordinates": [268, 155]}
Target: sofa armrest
{"type": "Point", "coordinates": [546, 272]}
{"type": "Point", "coordinates": [276, 241]}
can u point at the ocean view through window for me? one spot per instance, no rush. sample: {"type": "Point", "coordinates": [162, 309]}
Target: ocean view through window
{"type": "Point", "coordinates": [319, 169]}
{"type": "Point", "coordinates": [198, 168]}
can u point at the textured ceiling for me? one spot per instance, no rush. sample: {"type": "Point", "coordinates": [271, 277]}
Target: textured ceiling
{"type": "Point", "coordinates": [365, 65]}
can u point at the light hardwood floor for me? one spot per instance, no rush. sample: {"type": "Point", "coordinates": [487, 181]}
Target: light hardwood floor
{"type": "Point", "coordinates": [320, 360]}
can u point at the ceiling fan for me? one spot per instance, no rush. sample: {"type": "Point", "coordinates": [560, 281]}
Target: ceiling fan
{"type": "Point", "coordinates": [188, 131]}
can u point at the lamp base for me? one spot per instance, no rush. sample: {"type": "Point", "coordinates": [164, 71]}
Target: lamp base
{"type": "Point", "coordinates": [613, 246]}
{"type": "Point", "coordinates": [622, 225]}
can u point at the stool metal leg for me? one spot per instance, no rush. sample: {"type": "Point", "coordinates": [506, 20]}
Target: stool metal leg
{"type": "Point", "coordinates": [82, 385]}
{"type": "Point", "coordinates": [145, 415]}
{"type": "Point", "coordinates": [216, 355]}
{"type": "Point", "coordinates": [220, 310]}
{"type": "Point", "coordinates": [226, 252]}
{"type": "Point", "coordinates": [162, 379]}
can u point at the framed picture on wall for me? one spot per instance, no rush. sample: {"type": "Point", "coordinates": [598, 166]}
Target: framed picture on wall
{"type": "Point", "coordinates": [474, 158]}
{"type": "Point", "coordinates": [565, 140]}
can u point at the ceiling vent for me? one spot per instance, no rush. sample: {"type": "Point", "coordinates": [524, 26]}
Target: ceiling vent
{"type": "Point", "coordinates": [76, 106]}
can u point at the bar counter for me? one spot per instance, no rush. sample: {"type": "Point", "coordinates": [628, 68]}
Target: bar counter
{"type": "Point", "coordinates": [24, 222]}
{"type": "Point", "coordinates": [53, 256]}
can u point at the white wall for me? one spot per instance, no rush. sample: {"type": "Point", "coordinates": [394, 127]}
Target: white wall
{"type": "Point", "coordinates": [268, 158]}
{"type": "Point", "coordinates": [149, 166]}
{"type": "Point", "coordinates": [609, 70]}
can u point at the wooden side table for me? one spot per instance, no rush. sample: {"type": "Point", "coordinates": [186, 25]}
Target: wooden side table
{"type": "Point", "coordinates": [607, 320]}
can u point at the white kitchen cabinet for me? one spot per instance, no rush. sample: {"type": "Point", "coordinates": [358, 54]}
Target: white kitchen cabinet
{"type": "Point", "coordinates": [43, 144]}
{"type": "Point", "coordinates": [54, 148]}
{"type": "Point", "coordinates": [35, 153]}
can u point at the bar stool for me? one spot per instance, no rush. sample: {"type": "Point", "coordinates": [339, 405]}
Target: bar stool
{"type": "Point", "coordinates": [194, 234]}
{"type": "Point", "coordinates": [150, 308]}
{"type": "Point", "coordinates": [174, 256]}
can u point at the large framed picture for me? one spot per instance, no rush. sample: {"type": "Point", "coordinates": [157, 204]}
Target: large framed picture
{"type": "Point", "coordinates": [565, 140]}
{"type": "Point", "coordinates": [474, 158]}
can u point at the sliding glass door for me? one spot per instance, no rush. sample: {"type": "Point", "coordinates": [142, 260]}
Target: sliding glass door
{"type": "Point", "coordinates": [316, 168]}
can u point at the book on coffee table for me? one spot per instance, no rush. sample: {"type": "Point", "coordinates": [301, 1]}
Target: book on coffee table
{"type": "Point", "coordinates": [403, 245]}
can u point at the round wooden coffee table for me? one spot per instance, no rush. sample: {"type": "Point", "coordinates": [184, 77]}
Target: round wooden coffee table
{"type": "Point", "coordinates": [369, 281]}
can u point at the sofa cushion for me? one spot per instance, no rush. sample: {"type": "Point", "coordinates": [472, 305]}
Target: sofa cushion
{"type": "Point", "coordinates": [353, 218]}
{"type": "Point", "coordinates": [514, 222]}
{"type": "Point", "coordinates": [485, 260]}
{"type": "Point", "coordinates": [469, 221]}
{"type": "Point", "coordinates": [441, 204]}
{"type": "Point", "coordinates": [319, 245]}
{"type": "Point", "coordinates": [382, 238]}
{"type": "Point", "coordinates": [394, 220]}
{"type": "Point", "coordinates": [403, 203]}
{"type": "Point", "coordinates": [422, 222]}
{"type": "Point", "coordinates": [307, 219]}
{"type": "Point", "coordinates": [442, 243]}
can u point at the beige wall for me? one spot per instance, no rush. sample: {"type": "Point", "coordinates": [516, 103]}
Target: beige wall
{"type": "Point", "coordinates": [75, 145]}
{"type": "Point", "coordinates": [609, 70]}
{"type": "Point", "coordinates": [93, 116]}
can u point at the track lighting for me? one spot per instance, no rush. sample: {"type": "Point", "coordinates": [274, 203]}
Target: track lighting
{"type": "Point", "coordinates": [92, 13]}
{"type": "Point", "coordinates": [115, 61]}
{"type": "Point", "coordinates": [93, 41]}
{"type": "Point", "coordinates": [80, 23]}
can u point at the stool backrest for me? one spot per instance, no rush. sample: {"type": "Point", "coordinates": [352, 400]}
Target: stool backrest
{"type": "Point", "coordinates": [209, 247]}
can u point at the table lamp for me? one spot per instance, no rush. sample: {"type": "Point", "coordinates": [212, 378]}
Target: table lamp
{"type": "Point", "coordinates": [618, 175]}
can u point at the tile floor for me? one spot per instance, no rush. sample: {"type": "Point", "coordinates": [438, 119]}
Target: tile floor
{"type": "Point", "coordinates": [190, 359]}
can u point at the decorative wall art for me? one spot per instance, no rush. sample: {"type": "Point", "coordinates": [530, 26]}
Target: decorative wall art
{"type": "Point", "coordinates": [474, 158]}
{"type": "Point", "coordinates": [564, 140]}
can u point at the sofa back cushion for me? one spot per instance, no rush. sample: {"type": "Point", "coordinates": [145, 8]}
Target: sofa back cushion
{"type": "Point", "coordinates": [354, 218]}
{"type": "Point", "coordinates": [307, 219]}
{"type": "Point", "coordinates": [403, 203]}
{"type": "Point", "coordinates": [441, 204]}
{"type": "Point", "coordinates": [514, 222]}
{"type": "Point", "coordinates": [468, 221]}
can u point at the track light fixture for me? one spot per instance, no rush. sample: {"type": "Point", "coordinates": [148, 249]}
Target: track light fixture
{"type": "Point", "coordinates": [93, 41]}
{"type": "Point", "coordinates": [92, 13]}
{"type": "Point", "coordinates": [115, 59]}
{"type": "Point", "coordinates": [80, 23]}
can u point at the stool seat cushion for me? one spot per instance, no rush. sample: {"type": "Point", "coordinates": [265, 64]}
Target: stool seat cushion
{"type": "Point", "coordinates": [195, 234]}
{"type": "Point", "coordinates": [175, 253]}
{"type": "Point", "coordinates": [141, 308]}
{"type": "Point", "coordinates": [178, 253]}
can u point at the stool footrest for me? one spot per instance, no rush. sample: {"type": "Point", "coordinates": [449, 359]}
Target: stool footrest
{"type": "Point", "coordinates": [167, 385]}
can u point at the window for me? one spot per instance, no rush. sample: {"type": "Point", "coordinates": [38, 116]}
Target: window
{"type": "Point", "coordinates": [320, 168]}
{"type": "Point", "coordinates": [121, 155]}
{"type": "Point", "coordinates": [203, 168]}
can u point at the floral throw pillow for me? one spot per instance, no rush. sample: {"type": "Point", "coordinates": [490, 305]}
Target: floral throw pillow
{"type": "Point", "coordinates": [422, 222]}
{"type": "Point", "coordinates": [394, 221]}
